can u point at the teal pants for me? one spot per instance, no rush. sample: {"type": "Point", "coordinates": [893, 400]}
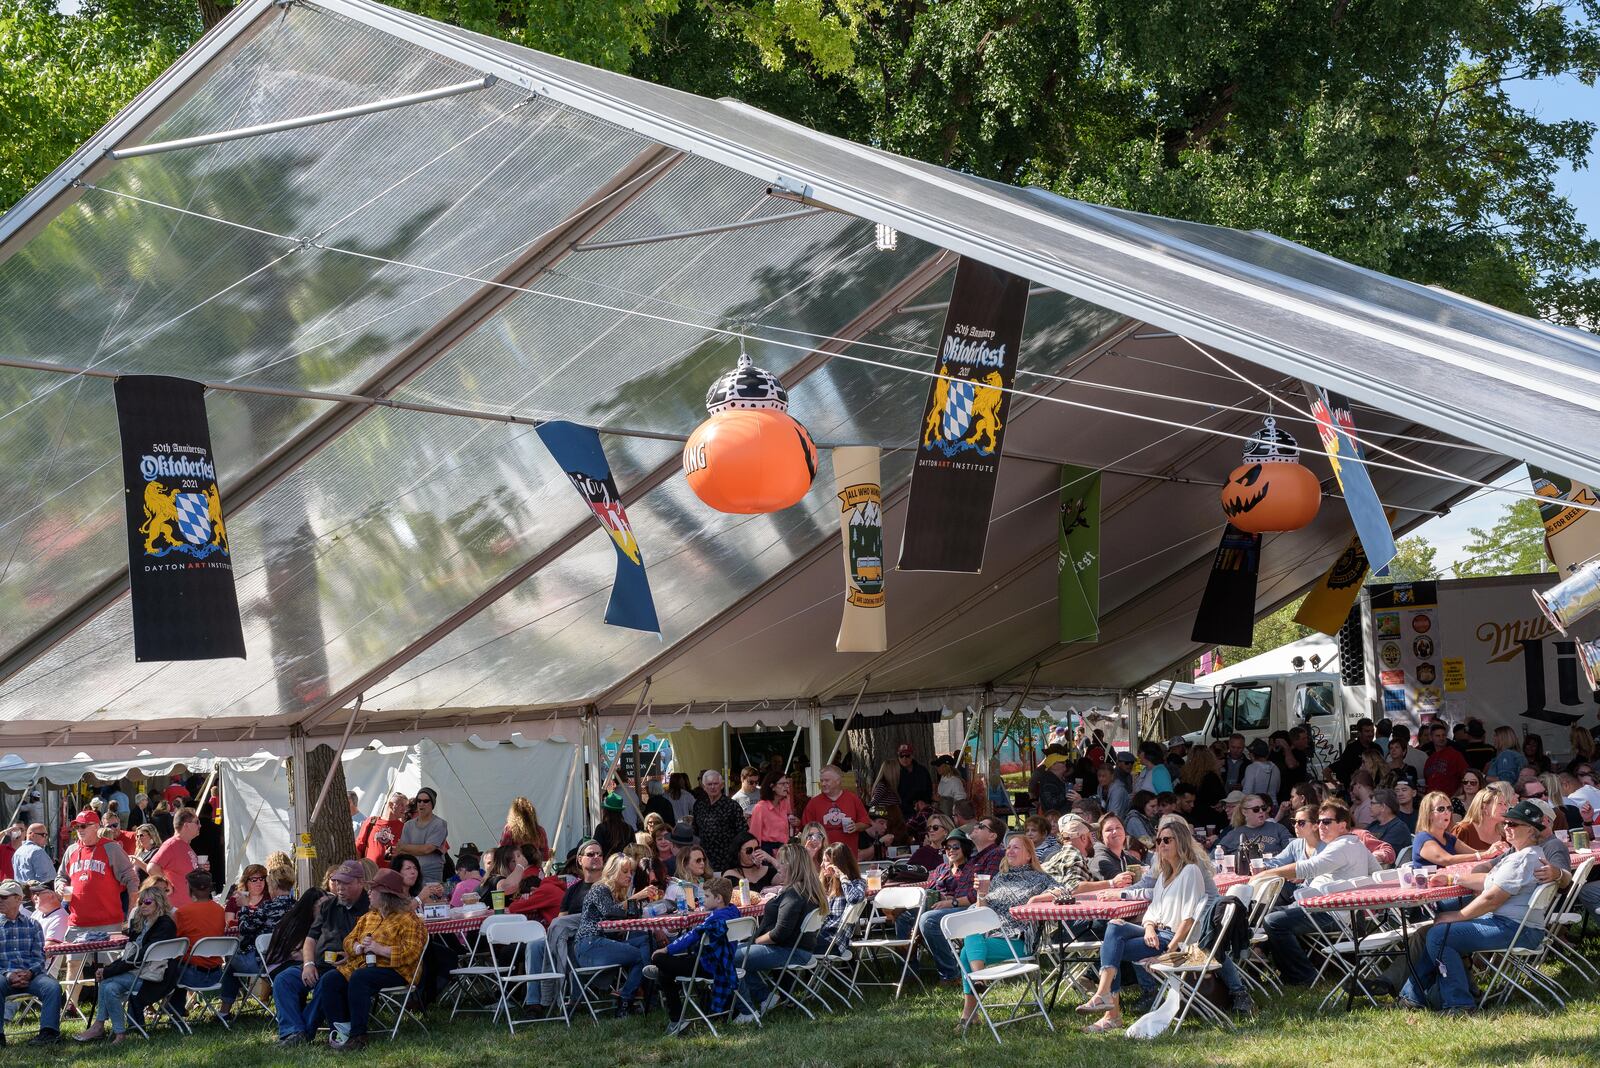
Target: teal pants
{"type": "Point", "coordinates": [987, 949]}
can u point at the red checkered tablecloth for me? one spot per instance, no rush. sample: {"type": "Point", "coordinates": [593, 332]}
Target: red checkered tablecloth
{"type": "Point", "coordinates": [456, 924]}
{"type": "Point", "coordinates": [672, 922]}
{"type": "Point", "coordinates": [98, 945]}
{"type": "Point", "coordinates": [1381, 896]}
{"type": "Point", "coordinates": [1227, 880]}
{"type": "Point", "coordinates": [1090, 908]}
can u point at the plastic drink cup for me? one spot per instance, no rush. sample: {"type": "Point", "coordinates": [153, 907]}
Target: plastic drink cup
{"type": "Point", "coordinates": [499, 899]}
{"type": "Point", "coordinates": [688, 897]}
{"type": "Point", "coordinates": [874, 883]}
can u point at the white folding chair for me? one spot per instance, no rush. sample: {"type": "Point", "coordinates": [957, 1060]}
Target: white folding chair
{"type": "Point", "coordinates": [870, 947]}
{"type": "Point", "coordinates": [1256, 968]}
{"type": "Point", "coordinates": [396, 1001]}
{"type": "Point", "coordinates": [1568, 913]}
{"type": "Point", "coordinates": [796, 972]}
{"type": "Point", "coordinates": [562, 941]}
{"type": "Point", "coordinates": [486, 976]}
{"type": "Point", "coordinates": [972, 922]}
{"type": "Point", "coordinates": [525, 940]}
{"type": "Point", "coordinates": [833, 959]}
{"type": "Point", "coordinates": [158, 957]}
{"type": "Point", "coordinates": [217, 947]}
{"type": "Point", "coordinates": [1507, 969]}
{"type": "Point", "coordinates": [741, 931]}
{"type": "Point", "coordinates": [1187, 979]}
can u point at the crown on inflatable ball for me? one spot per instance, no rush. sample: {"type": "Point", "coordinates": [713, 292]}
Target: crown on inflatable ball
{"type": "Point", "coordinates": [1271, 445]}
{"type": "Point", "coordinates": [747, 386]}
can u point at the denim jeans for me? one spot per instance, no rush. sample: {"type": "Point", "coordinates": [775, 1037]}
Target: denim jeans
{"type": "Point", "coordinates": [603, 951]}
{"type": "Point", "coordinates": [48, 991]}
{"type": "Point", "coordinates": [342, 1000]}
{"type": "Point", "coordinates": [944, 957]}
{"type": "Point", "coordinates": [289, 993]}
{"type": "Point", "coordinates": [533, 960]}
{"type": "Point", "coordinates": [1124, 943]}
{"type": "Point", "coordinates": [247, 965]}
{"type": "Point", "coordinates": [1440, 960]}
{"type": "Point", "coordinates": [113, 993]}
{"type": "Point", "coordinates": [1284, 928]}
{"type": "Point", "coordinates": [756, 959]}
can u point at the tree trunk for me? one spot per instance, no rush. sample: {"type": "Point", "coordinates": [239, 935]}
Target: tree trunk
{"type": "Point", "coordinates": [331, 834]}
{"type": "Point", "coordinates": [214, 11]}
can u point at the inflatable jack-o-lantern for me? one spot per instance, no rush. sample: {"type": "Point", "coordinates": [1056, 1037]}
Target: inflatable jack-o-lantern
{"type": "Point", "coordinates": [751, 455]}
{"type": "Point", "coordinates": [1271, 490]}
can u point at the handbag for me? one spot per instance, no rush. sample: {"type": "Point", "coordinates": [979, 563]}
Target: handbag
{"type": "Point", "coordinates": [902, 872]}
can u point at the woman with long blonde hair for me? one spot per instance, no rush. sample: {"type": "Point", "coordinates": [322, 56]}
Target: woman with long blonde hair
{"type": "Point", "coordinates": [1480, 828]}
{"type": "Point", "coordinates": [780, 939]}
{"type": "Point", "coordinates": [523, 829]}
{"type": "Point", "coordinates": [614, 898]}
{"type": "Point", "coordinates": [149, 921]}
{"type": "Point", "coordinates": [1433, 843]}
{"type": "Point", "coordinates": [1203, 771]}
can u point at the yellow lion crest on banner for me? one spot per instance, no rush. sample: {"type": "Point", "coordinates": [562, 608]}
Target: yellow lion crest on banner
{"type": "Point", "coordinates": [986, 413]}
{"type": "Point", "coordinates": [160, 517]}
{"type": "Point", "coordinates": [941, 396]}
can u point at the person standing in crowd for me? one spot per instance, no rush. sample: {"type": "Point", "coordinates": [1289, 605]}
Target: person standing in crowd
{"type": "Point", "coordinates": [773, 818]}
{"type": "Point", "coordinates": [378, 835]}
{"type": "Point", "coordinates": [149, 922]}
{"type": "Point", "coordinates": [176, 858]}
{"type": "Point", "coordinates": [718, 821]}
{"type": "Point", "coordinates": [31, 863]}
{"type": "Point", "coordinates": [23, 962]}
{"type": "Point", "coordinates": [426, 836]}
{"type": "Point", "coordinates": [840, 811]}
{"type": "Point", "coordinates": [656, 802]}
{"type": "Point", "coordinates": [1445, 765]}
{"type": "Point", "coordinates": [749, 789]}
{"type": "Point", "coordinates": [382, 950]}
{"type": "Point", "coordinates": [613, 832]}
{"type": "Point", "coordinates": [324, 944]}
{"type": "Point", "coordinates": [1203, 774]}
{"type": "Point", "coordinates": [1236, 760]}
{"type": "Point", "coordinates": [523, 829]}
{"type": "Point", "coordinates": [1112, 795]}
{"type": "Point", "coordinates": [94, 875]}
{"type": "Point", "coordinates": [1478, 751]}
{"type": "Point", "coordinates": [356, 816]}
{"type": "Point", "coordinates": [951, 790]}
{"type": "Point", "coordinates": [146, 840]}
{"type": "Point", "coordinates": [680, 796]}
{"type": "Point", "coordinates": [1507, 762]}
{"type": "Point", "coordinates": [1155, 777]}
{"type": "Point", "coordinates": [915, 782]}
{"type": "Point", "coordinates": [1262, 776]}
{"type": "Point", "coordinates": [141, 810]}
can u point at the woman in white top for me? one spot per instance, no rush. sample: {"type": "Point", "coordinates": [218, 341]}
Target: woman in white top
{"type": "Point", "coordinates": [1183, 890]}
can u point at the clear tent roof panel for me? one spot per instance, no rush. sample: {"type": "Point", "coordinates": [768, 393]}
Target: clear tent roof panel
{"type": "Point", "coordinates": [412, 516]}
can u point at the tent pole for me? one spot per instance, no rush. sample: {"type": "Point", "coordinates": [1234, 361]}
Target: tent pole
{"type": "Point", "coordinates": [338, 756]}
{"type": "Point", "coordinates": [612, 767]}
{"type": "Point", "coordinates": [566, 797]}
{"type": "Point", "coordinates": [23, 799]}
{"type": "Point", "coordinates": [813, 750]}
{"type": "Point", "coordinates": [299, 803]}
{"type": "Point", "coordinates": [853, 706]}
{"type": "Point", "coordinates": [799, 729]}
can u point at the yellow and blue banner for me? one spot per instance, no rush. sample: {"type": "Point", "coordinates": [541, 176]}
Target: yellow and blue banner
{"type": "Point", "coordinates": [1336, 426]}
{"type": "Point", "coordinates": [578, 452]}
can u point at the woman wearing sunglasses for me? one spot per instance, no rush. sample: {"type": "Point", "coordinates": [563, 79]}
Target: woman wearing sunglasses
{"type": "Point", "coordinates": [1182, 892]}
{"type": "Point", "coordinates": [150, 922]}
{"type": "Point", "coordinates": [1434, 844]}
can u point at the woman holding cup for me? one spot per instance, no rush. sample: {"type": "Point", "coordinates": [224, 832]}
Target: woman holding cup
{"type": "Point", "coordinates": [1019, 880]}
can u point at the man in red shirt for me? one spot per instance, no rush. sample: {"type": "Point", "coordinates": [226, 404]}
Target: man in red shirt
{"type": "Point", "coordinates": [201, 918]}
{"type": "Point", "coordinates": [111, 830]}
{"type": "Point", "coordinates": [840, 812]}
{"type": "Point", "coordinates": [1445, 765]}
{"type": "Point", "coordinates": [175, 794]}
{"type": "Point", "coordinates": [378, 836]}
{"type": "Point", "coordinates": [176, 857]}
{"type": "Point", "coordinates": [93, 877]}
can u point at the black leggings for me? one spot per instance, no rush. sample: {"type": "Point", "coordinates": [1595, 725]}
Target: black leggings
{"type": "Point", "coordinates": [672, 965]}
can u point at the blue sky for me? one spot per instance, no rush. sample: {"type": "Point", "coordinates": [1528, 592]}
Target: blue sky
{"type": "Point", "coordinates": [1551, 99]}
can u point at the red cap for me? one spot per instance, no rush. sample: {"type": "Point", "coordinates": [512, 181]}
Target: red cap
{"type": "Point", "coordinates": [906, 750]}
{"type": "Point", "coordinates": [87, 818]}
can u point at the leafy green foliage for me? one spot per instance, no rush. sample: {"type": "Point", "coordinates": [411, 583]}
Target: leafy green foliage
{"type": "Point", "coordinates": [1272, 632]}
{"type": "Point", "coordinates": [1415, 560]}
{"type": "Point", "coordinates": [1513, 546]}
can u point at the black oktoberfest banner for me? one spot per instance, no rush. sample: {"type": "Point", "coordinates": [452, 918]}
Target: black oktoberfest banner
{"type": "Point", "coordinates": [180, 569]}
{"type": "Point", "coordinates": [1227, 613]}
{"type": "Point", "coordinates": [963, 423]}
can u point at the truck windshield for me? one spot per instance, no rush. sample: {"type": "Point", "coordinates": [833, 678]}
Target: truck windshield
{"type": "Point", "coordinates": [1314, 699]}
{"type": "Point", "coordinates": [1244, 708]}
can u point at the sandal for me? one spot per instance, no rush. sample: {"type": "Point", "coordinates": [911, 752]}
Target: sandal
{"type": "Point", "coordinates": [1102, 1026]}
{"type": "Point", "coordinates": [1098, 1003]}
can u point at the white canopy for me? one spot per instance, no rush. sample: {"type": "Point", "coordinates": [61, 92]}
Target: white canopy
{"type": "Point", "coordinates": [568, 241]}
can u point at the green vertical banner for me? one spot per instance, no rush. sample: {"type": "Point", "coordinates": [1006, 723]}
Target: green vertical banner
{"type": "Point", "coordinates": [1078, 554]}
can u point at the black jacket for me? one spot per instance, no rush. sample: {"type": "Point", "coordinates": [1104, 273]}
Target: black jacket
{"type": "Point", "coordinates": [915, 785]}
{"type": "Point", "coordinates": [783, 919]}
{"type": "Point", "coordinates": [334, 920]}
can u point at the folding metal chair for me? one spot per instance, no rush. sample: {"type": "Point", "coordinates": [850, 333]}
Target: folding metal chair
{"type": "Point", "coordinates": [1567, 913]}
{"type": "Point", "coordinates": [869, 948]}
{"type": "Point", "coordinates": [26, 1004]}
{"type": "Point", "coordinates": [1256, 968]}
{"type": "Point", "coordinates": [833, 958]}
{"type": "Point", "coordinates": [397, 1000]}
{"type": "Point", "coordinates": [797, 972]}
{"type": "Point", "coordinates": [485, 974]}
{"type": "Point", "coordinates": [158, 957]}
{"type": "Point", "coordinates": [523, 939]}
{"type": "Point", "coordinates": [248, 979]}
{"type": "Point", "coordinates": [1187, 979]}
{"type": "Point", "coordinates": [562, 942]}
{"type": "Point", "coordinates": [1507, 968]}
{"type": "Point", "coordinates": [220, 947]}
{"type": "Point", "coordinates": [972, 922]}
{"type": "Point", "coordinates": [740, 932]}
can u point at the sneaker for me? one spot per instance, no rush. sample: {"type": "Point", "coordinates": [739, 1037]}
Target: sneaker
{"type": "Point", "coordinates": [652, 973]}
{"type": "Point", "coordinates": [771, 1002]}
{"type": "Point", "coordinates": [745, 1018]}
{"type": "Point", "coordinates": [677, 1028]}
{"type": "Point", "coordinates": [352, 1044]}
{"type": "Point", "coordinates": [293, 1038]}
{"type": "Point", "coordinates": [44, 1038]}
{"type": "Point", "coordinates": [1243, 1004]}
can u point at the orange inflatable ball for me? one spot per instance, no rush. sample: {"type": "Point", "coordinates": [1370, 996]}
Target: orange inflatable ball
{"type": "Point", "coordinates": [751, 456]}
{"type": "Point", "coordinates": [1271, 490]}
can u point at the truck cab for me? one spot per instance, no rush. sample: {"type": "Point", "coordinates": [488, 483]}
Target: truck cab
{"type": "Point", "coordinates": [1256, 707]}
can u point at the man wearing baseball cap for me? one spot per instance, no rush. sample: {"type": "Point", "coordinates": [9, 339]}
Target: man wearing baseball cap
{"type": "Point", "coordinates": [323, 947]}
{"type": "Point", "coordinates": [916, 784]}
{"type": "Point", "coordinates": [22, 960]}
{"type": "Point", "coordinates": [93, 876]}
{"type": "Point", "coordinates": [1488, 921]}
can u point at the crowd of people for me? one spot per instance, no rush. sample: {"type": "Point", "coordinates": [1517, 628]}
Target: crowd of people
{"type": "Point", "coordinates": [1092, 819]}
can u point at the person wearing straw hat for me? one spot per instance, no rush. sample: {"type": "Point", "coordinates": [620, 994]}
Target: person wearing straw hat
{"type": "Point", "coordinates": [1488, 921]}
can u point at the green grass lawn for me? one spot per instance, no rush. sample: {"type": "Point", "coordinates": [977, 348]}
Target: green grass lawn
{"type": "Point", "coordinates": [917, 1030]}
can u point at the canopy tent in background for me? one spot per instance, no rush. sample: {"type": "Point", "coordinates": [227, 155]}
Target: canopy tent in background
{"type": "Point", "coordinates": [20, 774]}
{"type": "Point", "coordinates": [570, 242]}
{"type": "Point", "coordinates": [476, 783]}
{"type": "Point", "coordinates": [1280, 661]}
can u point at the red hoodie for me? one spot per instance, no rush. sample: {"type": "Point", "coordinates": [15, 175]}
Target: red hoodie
{"type": "Point", "coordinates": [542, 903]}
